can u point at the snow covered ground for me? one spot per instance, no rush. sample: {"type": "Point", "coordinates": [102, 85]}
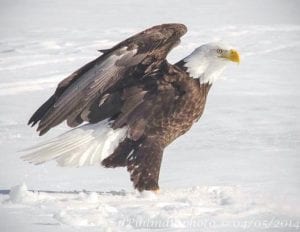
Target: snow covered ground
{"type": "Point", "coordinates": [238, 169]}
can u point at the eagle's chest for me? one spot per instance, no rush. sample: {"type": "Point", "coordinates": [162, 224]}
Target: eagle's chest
{"type": "Point", "coordinates": [177, 119]}
{"type": "Point", "coordinates": [191, 107]}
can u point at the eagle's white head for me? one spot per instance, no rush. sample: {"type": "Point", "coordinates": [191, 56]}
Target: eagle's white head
{"type": "Point", "coordinates": [208, 61]}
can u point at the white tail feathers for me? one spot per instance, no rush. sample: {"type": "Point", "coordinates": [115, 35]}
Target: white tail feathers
{"type": "Point", "coordinates": [85, 145]}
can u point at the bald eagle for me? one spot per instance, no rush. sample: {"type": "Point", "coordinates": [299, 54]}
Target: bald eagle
{"type": "Point", "coordinates": [132, 103]}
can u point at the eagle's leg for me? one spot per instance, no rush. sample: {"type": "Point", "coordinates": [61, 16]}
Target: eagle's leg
{"type": "Point", "coordinates": [144, 166]}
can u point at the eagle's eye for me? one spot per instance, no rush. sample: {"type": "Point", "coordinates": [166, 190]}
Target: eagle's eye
{"type": "Point", "coordinates": [219, 50]}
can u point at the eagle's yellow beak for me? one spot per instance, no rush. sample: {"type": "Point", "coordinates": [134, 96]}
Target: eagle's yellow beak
{"type": "Point", "coordinates": [232, 55]}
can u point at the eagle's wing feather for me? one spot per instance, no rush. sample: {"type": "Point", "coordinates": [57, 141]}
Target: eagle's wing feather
{"type": "Point", "coordinates": [136, 90]}
{"type": "Point", "coordinates": [80, 92]}
{"type": "Point", "coordinates": [134, 57]}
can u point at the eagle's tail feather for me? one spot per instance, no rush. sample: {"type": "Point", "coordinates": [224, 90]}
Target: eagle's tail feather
{"type": "Point", "coordinates": [85, 145]}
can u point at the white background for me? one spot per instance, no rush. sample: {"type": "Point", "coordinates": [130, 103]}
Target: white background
{"type": "Point", "coordinates": [240, 161]}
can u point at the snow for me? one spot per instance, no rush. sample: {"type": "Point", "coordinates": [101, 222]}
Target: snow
{"type": "Point", "coordinates": [237, 169]}
{"type": "Point", "coordinates": [126, 211]}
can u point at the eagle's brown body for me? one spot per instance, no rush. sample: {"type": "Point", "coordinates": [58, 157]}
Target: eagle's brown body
{"type": "Point", "coordinates": [190, 99]}
{"type": "Point", "coordinates": [133, 86]}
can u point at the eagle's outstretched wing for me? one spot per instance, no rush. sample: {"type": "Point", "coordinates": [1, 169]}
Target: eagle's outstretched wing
{"type": "Point", "coordinates": [97, 90]}
{"type": "Point", "coordinates": [143, 98]}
